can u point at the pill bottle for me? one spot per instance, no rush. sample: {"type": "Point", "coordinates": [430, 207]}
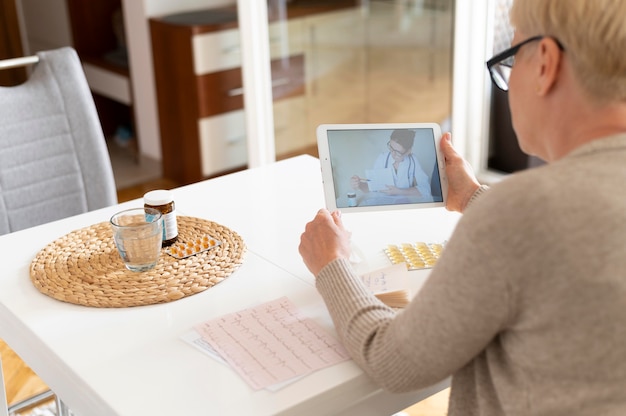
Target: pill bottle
{"type": "Point", "coordinates": [351, 199]}
{"type": "Point", "coordinates": [163, 201]}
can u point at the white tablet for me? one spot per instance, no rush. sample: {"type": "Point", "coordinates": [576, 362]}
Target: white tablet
{"type": "Point", "coordinates": [374, 167]}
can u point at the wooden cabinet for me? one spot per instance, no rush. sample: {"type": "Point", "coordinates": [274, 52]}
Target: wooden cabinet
{"type": "Point", "coordinates": [197, 66]}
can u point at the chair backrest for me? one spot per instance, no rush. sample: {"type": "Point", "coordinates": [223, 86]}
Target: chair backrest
{"type": "Point", "coordinates": [54, 162]}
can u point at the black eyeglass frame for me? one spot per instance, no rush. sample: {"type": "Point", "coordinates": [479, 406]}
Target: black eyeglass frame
{"type": "Point", "coordinates": [396, 152]}
{"type": "Point", "coordinates": [498, 79]}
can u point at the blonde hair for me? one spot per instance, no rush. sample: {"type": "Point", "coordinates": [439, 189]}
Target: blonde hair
{"type": "Point", "coordinates": [593, 33]}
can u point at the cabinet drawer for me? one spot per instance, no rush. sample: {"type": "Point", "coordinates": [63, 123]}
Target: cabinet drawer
{"type": "Point", "coordinates": [223, 137]}
{"type": "Point", "coordinates": [221, 92]}
{"type": "Point", "coordinates": [222, 142]}
{"type": "Point", "coordinates": [218, 51]}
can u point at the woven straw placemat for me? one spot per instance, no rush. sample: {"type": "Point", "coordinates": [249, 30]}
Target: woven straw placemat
{"type": "Point", "coordinates": [84, 267]}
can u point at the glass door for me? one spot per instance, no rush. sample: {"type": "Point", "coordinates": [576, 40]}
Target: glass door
{"type": "Point", "coordinates": [409, 61]}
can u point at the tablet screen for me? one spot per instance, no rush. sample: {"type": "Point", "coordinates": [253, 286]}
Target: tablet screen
{"type": "Point", "coordinates": [381, 166]}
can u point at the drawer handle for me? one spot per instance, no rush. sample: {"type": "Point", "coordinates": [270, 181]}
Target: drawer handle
{"type": "Point", "coordinates": [275, 83]}
{"type": "Point", "coordinates": [234, 140]}
{"type": "Point", "coordinates": [235, 92]}
{"type": "Point", "coordinates": [231, 49]}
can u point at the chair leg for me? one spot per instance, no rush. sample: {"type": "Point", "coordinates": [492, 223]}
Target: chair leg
{"type": "Point", "coordinates": [31, 401]}
{"type": "Point", "coordinates": [4, 411]}
{"type": "Point", "coordinates": [62, 409]}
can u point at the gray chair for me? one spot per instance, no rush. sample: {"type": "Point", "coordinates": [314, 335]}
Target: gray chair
{"type": "Point", "coordinates": [53, 157]}
{"type": "Point", "coordinates": [54, 162]}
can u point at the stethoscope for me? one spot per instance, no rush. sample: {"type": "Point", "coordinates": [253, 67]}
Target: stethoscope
{"type": "Point", "coordinates": [412, 164]}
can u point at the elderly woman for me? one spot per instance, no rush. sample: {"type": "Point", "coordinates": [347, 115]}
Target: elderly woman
{"type": "Point", "coordinates": [526, 308]}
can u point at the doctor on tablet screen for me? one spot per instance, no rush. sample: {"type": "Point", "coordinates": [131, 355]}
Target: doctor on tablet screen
{"type": "Point", "coordinates": [408, 176]}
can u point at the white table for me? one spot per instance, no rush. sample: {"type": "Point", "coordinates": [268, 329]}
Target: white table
{"type": "Point", "coordinates": [131, 361]}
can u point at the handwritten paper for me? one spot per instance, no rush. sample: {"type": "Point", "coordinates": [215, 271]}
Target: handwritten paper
{"type": "Point", "coordinates": [271, 343]}
{"type": "Point", "coordinates": [388, 279]}
{"type": "Point", "coordinates": [390, 285]}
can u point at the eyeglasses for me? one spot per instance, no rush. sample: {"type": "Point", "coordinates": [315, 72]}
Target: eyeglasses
{"type": "Point", "coordinates": [500, 65]}
{"type": "Point", "coordinates": [395, 151]}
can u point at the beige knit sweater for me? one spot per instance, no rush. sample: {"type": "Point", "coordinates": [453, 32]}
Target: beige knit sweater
{"type": "Point", "coordinates": [526, 308]}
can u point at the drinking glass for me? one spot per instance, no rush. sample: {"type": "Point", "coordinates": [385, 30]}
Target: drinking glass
{"type": "Point", "coordinates": [138, 235]}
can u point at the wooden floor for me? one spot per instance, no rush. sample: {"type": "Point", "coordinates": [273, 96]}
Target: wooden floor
{"type": "Point", "coordinates": [20, 381]}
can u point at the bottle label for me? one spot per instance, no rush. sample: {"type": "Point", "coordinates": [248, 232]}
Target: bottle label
{"type": "Point", "coordinates": [170, 226]}
{"type": "Point", "coordinates": [149, 217]}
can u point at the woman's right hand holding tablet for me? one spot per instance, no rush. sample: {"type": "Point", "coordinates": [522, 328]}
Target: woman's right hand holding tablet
{"type": "Point", "coordinates": [462, 182]}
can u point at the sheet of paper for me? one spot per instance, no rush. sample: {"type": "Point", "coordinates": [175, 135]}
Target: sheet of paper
{"type": "Point", "coordinates": [194, 339]}
{"type": "Point", "coordinates": [388, 279]}
{"type": "Point", "coordinates": [271, 343]}
{"type": "Point", "coordinates": [378, 179]}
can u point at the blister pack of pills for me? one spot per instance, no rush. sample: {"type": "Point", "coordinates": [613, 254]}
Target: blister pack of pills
{"type": "Point", "coordinates": [417, 256]}
{"type": "Point", "coordinates": [183, 249]}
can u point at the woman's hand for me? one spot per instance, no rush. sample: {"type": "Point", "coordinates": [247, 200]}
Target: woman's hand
{"type": "Point", "coordinates": [462, 182]}
{"type": "Point", "coordinates": [324, 240]}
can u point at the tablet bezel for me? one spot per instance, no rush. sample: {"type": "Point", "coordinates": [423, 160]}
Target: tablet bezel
{"type": "Point", "coordinates": [329, 180]}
